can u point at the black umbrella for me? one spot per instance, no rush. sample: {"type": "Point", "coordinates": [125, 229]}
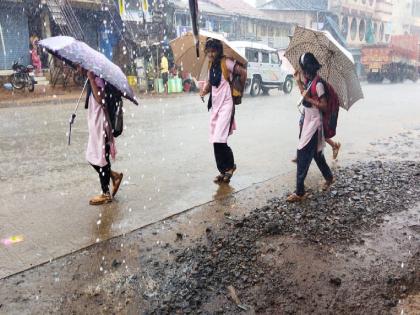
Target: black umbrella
{"type": "Point", "coordinates": [194, 23]}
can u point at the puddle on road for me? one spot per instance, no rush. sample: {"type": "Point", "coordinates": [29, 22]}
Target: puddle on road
{"type": "Point", "coordinates": [398, 241]}
{"type": "Point", "coordinates": [410, 306]}
{"type": "Point", "coordinates": [397, 238]}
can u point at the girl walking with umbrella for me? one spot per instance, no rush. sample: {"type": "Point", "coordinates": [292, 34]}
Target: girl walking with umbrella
{"type": "Point", "coordinates": [101, 143]}
{"type": "Point", "coordinates": [222, 122]}
{"type": "Point", "coordinates": [107, 84]}
{"type": "Point", "coordinates": [311, 141]}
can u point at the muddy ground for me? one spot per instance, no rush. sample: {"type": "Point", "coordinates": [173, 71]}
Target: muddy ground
{"type": "Point", "coordinates": [352, 250]}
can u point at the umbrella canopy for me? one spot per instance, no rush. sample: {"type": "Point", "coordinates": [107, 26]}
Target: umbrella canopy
{"type": "Point", "coordinates": [185, 53]}
{"type": "Point", "coordinates": [75, 52]}
{"type": "Point", "coordinates": [338, 67]}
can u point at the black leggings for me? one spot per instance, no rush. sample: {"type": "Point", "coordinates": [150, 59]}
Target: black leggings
{"type": "Point", "coordinates": [104, 172]}
{"type": "Point", "coordinates": [304, 160]}
{"type": "Point", "coordinates": [224, 157]}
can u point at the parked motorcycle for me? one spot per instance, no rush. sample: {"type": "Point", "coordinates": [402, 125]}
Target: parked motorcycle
{"type": "Point", "coordinates": [23, 76]}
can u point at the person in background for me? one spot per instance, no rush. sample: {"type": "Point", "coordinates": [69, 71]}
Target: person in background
{"type": "Point", "coordinates": [36, 60]}
{"type": "Point", "coordinates": [101, 142]}
{"type": "Point", "coordinates": [335, 147]}
{"type": "Point", "coordinates": [164, 70]}
{"type": "Point", "coordinates": [311, 140]}
{"type": "Point", "coordinates": [222, 122]}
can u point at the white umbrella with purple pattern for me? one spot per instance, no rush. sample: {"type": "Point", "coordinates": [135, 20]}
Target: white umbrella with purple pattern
{"type": "Point", "coordinates": [75, 52]}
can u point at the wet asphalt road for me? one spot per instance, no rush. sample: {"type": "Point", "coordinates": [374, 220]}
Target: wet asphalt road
{"type": "Point", "coordinates": [167, 161]}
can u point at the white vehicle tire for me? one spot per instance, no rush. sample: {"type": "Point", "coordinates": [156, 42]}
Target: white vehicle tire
{"type": "Point", "coordinates": [288, 85]}
{"type": "Point", "coordinates": [255, 87]}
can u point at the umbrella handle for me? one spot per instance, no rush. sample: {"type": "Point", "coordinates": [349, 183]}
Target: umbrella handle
{"type": "Point", "coordinates": [73, 116]}
{"type": "Point", "coordinates": [197, 48]}
{"type": "Point", "coordinates": [80, 97]}
{"type": "Point", "coordinates": [71, 122]}
{"type": "Point", "coordinates": [303, 96]}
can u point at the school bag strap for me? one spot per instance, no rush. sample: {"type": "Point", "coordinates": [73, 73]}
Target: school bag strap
{"type": "Point", "coordinates": [233, 80]}
{"type": "Point", "coordinates": [313, 90]}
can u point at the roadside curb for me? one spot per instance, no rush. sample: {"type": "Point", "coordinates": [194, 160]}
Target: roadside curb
{"type": "Point", "coordinates": [59, 99]}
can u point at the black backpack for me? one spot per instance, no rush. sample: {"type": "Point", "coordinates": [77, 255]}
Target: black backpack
{"type": "Point", "coordinates": [114, 106]}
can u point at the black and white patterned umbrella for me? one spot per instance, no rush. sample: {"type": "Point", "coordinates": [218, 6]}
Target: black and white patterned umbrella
{"type": "Point", "coordinates": [338, 67]}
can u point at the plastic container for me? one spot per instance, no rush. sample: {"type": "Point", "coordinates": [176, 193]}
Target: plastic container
{"type": "Point", "coordinates": [159, 88]}
{"type": "Point", "coordinates": [178, 85]}
{"type": "Point", "coordinates": [171, 86]}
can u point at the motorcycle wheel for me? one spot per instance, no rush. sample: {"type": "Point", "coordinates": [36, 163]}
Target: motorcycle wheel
{"type": "Point", "coordinates": [17, 81]}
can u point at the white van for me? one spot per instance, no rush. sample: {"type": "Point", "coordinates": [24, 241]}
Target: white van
{"type": "Point", "coordinates": [265, 69]}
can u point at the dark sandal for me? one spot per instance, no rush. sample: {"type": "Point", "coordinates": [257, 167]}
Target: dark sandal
{"type": "Point", "coordinates": [228, 176]}
{"type": "Point", "coordinates": [326, 186]}
{"type": "Point", "coordinates": [218, 179]}
{"type": "Point", "coordinates": [293, 198]}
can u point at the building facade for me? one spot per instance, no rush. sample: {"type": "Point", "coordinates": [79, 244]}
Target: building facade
{"type": "Point", "coordinates": [252, 24]}
{"type": "Point", "coordinates": [307, 13]}
{"type": "Point", "coordinates": [415, 14]}
{"type": "Point", "coordinates": [363, 21]}
{"type": "Point", "coordinates": [353, 22]}
{"type": "Point", "coordinates": [236, 20]}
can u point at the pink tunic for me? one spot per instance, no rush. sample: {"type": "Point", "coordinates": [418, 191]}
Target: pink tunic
{"type": "Point", "coordinates": [313, 123]}
{"type": "Point", "coordinates": [36, 60]}
{"type": "Point", "coordinates": [222, 108]}
{"type": "Point", "coordinates": [98, 129]}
